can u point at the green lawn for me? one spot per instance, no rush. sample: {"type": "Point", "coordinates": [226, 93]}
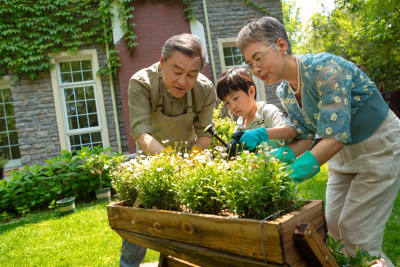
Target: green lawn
{"type": "Point", "coordinates": [84, 238]}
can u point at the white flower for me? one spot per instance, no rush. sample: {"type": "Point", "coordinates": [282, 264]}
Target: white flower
{"type": "Point", "coordinates": [159, 169]}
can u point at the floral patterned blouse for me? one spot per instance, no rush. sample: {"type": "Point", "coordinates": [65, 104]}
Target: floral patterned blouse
{"type": "Point", "coordinates": [334, 89]}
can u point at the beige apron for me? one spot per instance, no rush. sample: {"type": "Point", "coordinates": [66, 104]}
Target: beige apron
{"type": "Point", "coordinates": [178, 129]}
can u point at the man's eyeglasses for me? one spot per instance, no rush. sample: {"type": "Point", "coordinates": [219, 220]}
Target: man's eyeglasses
{"type": "Point", "coordinates": [257, 61]}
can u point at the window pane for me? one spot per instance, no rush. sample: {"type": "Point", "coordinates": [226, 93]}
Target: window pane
{"type": "Point", "coordinates": [228, 61]}
{"type": "Point", "coordinates": [1, 110]}
{"type": "Point", "coordinates": [93, 122]}
{"type": "Point", "coordinates": [227, 51]}
{"type": "Point", "coordinates": [76, 66]}
{"type": "Point", "coordinates": [6, 95]}
{"type": "Point", "coordinates": [66, 78]}
{"type": "Point", "coordinates": [91, 106]}
{"type": "Point", "coordinates": [87, 75]}
{"type": "Point", "coordinates": [75, 140]}
{"type": "Point", "coordinates": [80, 93]}
{"type": "Point", "coordinates": [96, 137]}
{"type": "Point", "coordinates": [4, 139]}
{"type": "Point", "coordinates": [11, 124]}
{"type": "Point", "coordinates": [85, 139]}
{"type": "Point", "coordinates": [71, 109]}
{"type": "Point", "coordinates": [89, 92]}
{"type": "Point", "coordinates": [13, 138]}
{"type": "Point", "coordinates": [73, 123]}
{"type": "Point", "coordinates": [86, 65]}
{"type": "Point", "coordinates": [83, 121]}
{"type": "Point", "coordinates": [238, 60]}
{"type": "Point", "coordinates": [15, 154]}
{"type": "Point", "coordinates": [78, 147]}
{"type": "Point", "coordinates": [77, 77]}
{"type": "Point", "coordinates": [9, 109]}
{"type": "Point", "coordinates": [3, 126]}
{"type": "Point", "coordinates": [65, 67]}
{"type": "Point", "coordinates": [81, 107]}
{"type": "Point", "coordinates": [6, 152]}
{"type": "Point", "coordinates": [69, 94]}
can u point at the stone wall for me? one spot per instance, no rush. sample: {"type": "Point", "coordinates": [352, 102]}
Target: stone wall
{"type": "Point", "coordinates": [226, 18]}
{"type": "Point", "coordinates": [36, 120]}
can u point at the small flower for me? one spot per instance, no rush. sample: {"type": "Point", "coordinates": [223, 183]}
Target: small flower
{"type": "Point", "coordinates": [346, 102]}
{"type": "Point", "coordinates": [319, 84]}
{"type": "Point", "coordinates": [357, 97]}
{"type": "Point", "coordinates": [333, 71]}
{"type": "Point", "coordinates": [348, 77]}
{"type": "Point", "coordinates": [352, 85]}
{"type": "Point", "coordinates": [333, 61]}
{"type": "Point", "coordinates": [316, 116]}
{"type": "Point", "coordinates": [344, 136]}
{"type": "Point", "coordinates": [306, 74]}
{"type": "Point", "coordinates": [328, 131]}
{"type": "Point", "coordinates": [295, 122]}
{"type": "Point", "coordinates": [287, 100]}
{"type": "Point", "coordinates": [344, 91]}
{"type": "Point", "coordinates": [365, 87]}
{"type": "Point", "coordinates": [319, 67]}
{"type": "Point", "coordinates": [293, 101]}
{"type": "Point", "coordinates": [307, 121]}
{"type": "Point", "coordinates": [336, 87]}
{"type": "Point", "coordinates": [159, 169]}
{"type": "Point", "coordinates": [337, 99]}
{"type": "Point", "coordinates": [362, 77]}
{"type": "Point", "coordinates": [333, 117]}
{"type": "Point", "coordinates": [370, 93]}
{"type": "Point", "coordinates": [299, 131]}
{"type": "Point", "coordinates": [320, 104]}
{"type": "Point", "coordinates": [310, 136]}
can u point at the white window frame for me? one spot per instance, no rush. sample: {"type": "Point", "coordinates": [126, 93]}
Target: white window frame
{"type": "Point", "coordinates": [5, 83]}
{"type": "Point", "coordinates": [231, 42]}
{"type": "Point", "coordinates": [59, 98]}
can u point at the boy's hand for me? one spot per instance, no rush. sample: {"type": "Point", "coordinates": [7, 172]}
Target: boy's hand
{"type": "Point", "coordinates": [252, 138]}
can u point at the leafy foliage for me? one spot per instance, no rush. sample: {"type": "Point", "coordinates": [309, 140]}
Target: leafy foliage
{"type": "Point", "coordinates": [293, 24]}
{"type": "Point", "coordinates": [64, 176]}
{"type": "Point", "coordinates": [249, 186]}
{"type": "Point", "coordinates": [29, 30]}
{"type": "Point", "coordinates": [364, 32]}
{"type": "Point", "coordinates": [224, 127]}
{"type": "Point", "coordinates": [3, 161]}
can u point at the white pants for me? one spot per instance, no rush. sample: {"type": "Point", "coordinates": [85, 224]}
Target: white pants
{"type": "Point", "coordinates": [363, 183]}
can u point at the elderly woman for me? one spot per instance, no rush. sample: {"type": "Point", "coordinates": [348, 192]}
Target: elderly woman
{"type": "Point", "coordinates": [329, 96]}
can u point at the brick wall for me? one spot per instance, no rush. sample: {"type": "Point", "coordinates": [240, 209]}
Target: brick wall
{"type": "Point", "coordinates": [155, 23]}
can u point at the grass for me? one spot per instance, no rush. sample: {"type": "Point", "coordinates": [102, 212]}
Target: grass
{"type": "Point", "coordinates": [84, 238]}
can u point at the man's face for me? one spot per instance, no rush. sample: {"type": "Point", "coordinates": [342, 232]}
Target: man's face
{"type": "Point", "coordinates": [179, 73]}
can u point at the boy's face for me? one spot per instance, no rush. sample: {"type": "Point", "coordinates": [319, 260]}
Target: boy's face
{"type": "Point", "coordinates": [240, 103]}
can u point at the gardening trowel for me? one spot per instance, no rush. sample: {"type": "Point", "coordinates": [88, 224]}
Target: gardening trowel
{"type": "Point", "coordinates": [233, 147]}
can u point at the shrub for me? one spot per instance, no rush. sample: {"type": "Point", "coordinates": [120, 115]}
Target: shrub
{"type": "Point", "coordinates": [63, 176]}
{"type": "Point", "coordinates": [249, 186]}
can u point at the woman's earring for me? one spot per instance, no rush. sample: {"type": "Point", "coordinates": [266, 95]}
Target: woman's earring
{"type": "Point", "coordinates": [285, 53]}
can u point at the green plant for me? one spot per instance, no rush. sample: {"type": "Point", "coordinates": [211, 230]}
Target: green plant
{"type": "Point", "coordinates": [3, 160]}
{"type": "Point", "coordinates": [361, 259]}
{"type": "Point", "coordinates": [224, 127]}
{"type": "Point", "coordinates": [249, 186]}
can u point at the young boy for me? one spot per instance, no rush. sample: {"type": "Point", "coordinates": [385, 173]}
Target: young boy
{"type": "Point", "coordinates": [237, 90]}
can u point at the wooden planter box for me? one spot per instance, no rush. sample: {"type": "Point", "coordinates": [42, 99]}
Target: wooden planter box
{"type": "Point", "coordinates": [209, 240]}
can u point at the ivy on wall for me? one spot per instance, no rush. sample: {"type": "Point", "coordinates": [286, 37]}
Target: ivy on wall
{"type": "Point", "coordinates": [30, 29]}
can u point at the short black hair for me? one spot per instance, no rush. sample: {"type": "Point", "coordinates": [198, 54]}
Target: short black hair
{"type": "Point", "coordinates": [234, 79]}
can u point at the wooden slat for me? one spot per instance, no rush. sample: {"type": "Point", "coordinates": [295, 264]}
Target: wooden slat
{"type": "Point", "coordinates": [169, 261]}
{"type": "Point", "coordinates": [238, 236]}
{"type": "Point", "coordinates": [191, 253]}
{"type": "Point", "coordinates": [312, 246]}
{"type": "Point", "coordinates": [313, 214]}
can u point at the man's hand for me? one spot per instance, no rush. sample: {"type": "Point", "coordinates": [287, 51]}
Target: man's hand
{"type": "Point", "coordinates": [252, 138]}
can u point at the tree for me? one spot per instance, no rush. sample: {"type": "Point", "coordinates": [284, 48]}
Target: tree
{"type": "Point", "coordinates": [293, 24]}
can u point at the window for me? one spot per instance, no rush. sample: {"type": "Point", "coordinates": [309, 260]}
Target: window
{"type": "Point", "coordinates": [78, 93]}
{"type": "Point", "coordinates": [8, 132]}
{"type": "Point", "coordinates": [230, 57]}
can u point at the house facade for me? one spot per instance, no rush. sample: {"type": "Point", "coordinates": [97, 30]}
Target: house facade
{"type": "Point", "coordinates": [70, 106]}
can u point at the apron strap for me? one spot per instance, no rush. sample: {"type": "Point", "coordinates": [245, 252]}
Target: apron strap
{"type": "Point", "coordinates": [189, 104]}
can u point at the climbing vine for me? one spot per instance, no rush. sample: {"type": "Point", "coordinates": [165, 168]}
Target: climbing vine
{"type": "Point", "coordinates": [258, 7]}
{"type": "Point", "coordinates": [29, 30]}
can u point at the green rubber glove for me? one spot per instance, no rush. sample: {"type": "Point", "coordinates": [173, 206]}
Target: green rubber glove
{"type": "Point", "coordinates": [304, 167]}
{"type": "Point", "coordinates": [284, 154]}
{"type": "Point", "coordinates": [252, 138]}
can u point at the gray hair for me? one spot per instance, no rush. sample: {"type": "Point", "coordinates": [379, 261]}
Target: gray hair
{"type": "Point", "coordinates": [187, 44]}
{"type": "Point", "coordinates": [266, 30]}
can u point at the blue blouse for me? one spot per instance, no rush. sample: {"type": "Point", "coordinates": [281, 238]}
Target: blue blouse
{"type": "Point", "coordinates": [334, 90]}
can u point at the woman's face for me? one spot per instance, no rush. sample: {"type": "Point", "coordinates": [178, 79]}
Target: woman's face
{"type": "Point", "coordinates": [265, 62]}
{"type": "Point", "coordinates": [240, 103]}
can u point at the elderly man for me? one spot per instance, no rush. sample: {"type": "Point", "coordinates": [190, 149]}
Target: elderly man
{"type": "Point", "coordinates": [170, 100]}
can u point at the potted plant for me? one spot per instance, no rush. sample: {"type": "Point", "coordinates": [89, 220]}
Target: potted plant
{"type": "Point", "coordinates": [211, 211]}
{"type": "Point", "coordinates": [3, 162]}
{"type": "Point", "coordinates": [66, 205]}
